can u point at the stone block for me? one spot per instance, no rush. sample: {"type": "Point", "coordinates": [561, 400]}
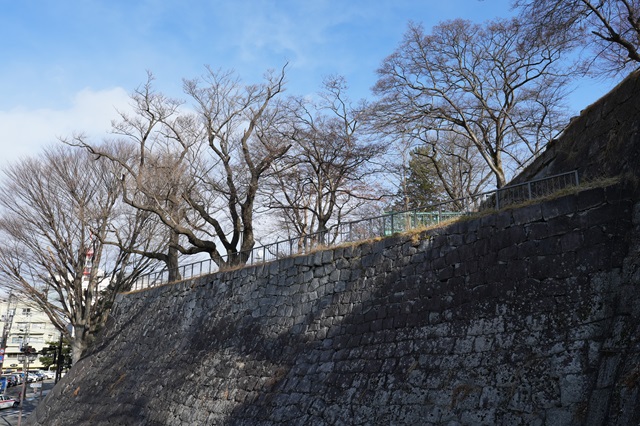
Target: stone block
{"type": "Point", "coordinates": [605, 213]}
{"type": "Point", "coordinates": [527, 214]}
{"type": "Point", "coordinates": [571, 241]}
{"type": "Point", "coordinates": [559, 207]}
{"type": "Point", "coordinates": [317, 258]}
{"type": "Point", "coordinates": [559, 416]}
{"type": "Point", "coordinates": [464, 345]}
{"type": "Point", "coordinates": [504, 219]}
{"type": "Point", "coordinates": [594, 258]}
{"type": "Point", "coordinates": [573, 389]}
{"type": "Point", "coordinates": [590, 198]}
{"type": "Point", "coordinates": [483, 344]}
{"type": "Point", "coordinates": [487, 222]}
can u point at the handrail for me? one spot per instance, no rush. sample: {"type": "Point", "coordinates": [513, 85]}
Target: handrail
{"type": "Point", "coordinates": [381, 225]}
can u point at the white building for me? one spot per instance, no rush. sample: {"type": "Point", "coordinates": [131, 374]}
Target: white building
{"type": "Point", "coordinates": [21, 323]}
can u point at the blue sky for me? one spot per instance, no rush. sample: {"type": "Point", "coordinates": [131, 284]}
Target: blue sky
{"type": "Point", "coordinates": [67, 65]}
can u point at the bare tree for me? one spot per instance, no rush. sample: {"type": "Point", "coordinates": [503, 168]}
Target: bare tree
{"type": "Point", "coordinates": [238, 125]}
{"type": "Point", "coordinates": [451, 164]}
{"type": "Point", "coordinates": [325, 178]}
{"type": "Point", "coordinates": [159, 177]}
{"type": "Point", "coordinates": [56, 211]}
{"type": "Point", "coordinates": [425, 170]}
{"type": "Point", "coordinates": [150, 150]}
{"type": "Point", "coordinates": [199, 172]}
{"type": "Point", "coordinates": [480, 82]}
{"type": "Point", "coordinates": [610, 27]}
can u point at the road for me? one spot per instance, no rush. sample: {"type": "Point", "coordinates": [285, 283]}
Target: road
{"type": "Point", "coordinates": [9, 416]}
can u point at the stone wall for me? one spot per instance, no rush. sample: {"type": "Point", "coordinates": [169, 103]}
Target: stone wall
{"type": "Point", "coordinates": [529, 316]}
{"type": "Point", "coordinates": [604, 140]}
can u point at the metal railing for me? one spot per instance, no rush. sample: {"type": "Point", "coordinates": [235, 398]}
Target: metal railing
{"type": "Point", "coordinates": [379, 226]}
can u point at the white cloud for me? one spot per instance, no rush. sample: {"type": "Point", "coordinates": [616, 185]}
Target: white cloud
{"type": "Point", "coordinates": [25, 132]}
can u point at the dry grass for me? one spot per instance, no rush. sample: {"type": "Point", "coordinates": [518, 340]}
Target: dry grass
{"type": "Point", "coordinates": [415, 234]}
{"type": "Point", "coordinates": [587, 184]}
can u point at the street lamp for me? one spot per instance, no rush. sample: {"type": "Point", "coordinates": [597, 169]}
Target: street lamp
{"type": "Point", "coordinates": [27, 356]}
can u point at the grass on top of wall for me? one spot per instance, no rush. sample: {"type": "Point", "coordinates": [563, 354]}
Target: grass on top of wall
{"type": "Point", "coordinates": [415, 235]}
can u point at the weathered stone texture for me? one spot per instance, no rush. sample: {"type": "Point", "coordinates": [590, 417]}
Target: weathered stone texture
{"type": "Point", "coordinates": [604, 140]}
{"type": "Point", "coordinates": [526, 317]}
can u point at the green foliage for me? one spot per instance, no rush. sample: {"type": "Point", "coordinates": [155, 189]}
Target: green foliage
{"type": "Point", "coordinates": [422, 186]}
{"type": "Point", "coordinates": [50, 354]}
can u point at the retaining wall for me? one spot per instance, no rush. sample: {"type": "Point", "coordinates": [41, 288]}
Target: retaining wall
{"type": "Point", "coordinates": [604, 140]}
{"type": "Point", "coordinates": [529, 316]}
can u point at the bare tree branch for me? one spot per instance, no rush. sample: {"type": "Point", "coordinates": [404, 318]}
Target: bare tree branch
{"type": "Point", "coordinates": [480, 82]}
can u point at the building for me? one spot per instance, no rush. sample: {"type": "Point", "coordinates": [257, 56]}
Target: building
{"type": "Point", "coordinates": [23, 324]}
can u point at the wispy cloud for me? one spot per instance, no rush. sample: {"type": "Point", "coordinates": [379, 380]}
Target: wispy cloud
{"type": "Point", "coordinates": [26, 131]}
{"type": "Point", "coordinates": [53, 51]}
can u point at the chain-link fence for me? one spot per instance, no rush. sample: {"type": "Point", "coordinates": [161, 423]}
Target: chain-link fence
{"type": "Point", "coordinates": [379, 226]}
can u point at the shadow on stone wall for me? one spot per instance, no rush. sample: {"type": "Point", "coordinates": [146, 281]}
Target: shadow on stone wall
{"type": "Point", "coordinates": [529, 316]}
{"type": "Point", "coordinates": [498, 320]}
{"type": "Point", "coordinates": [603, 141]}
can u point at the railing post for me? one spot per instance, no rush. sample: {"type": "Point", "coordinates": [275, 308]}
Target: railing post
{"type": "Point", "coordinates": [410, 217]}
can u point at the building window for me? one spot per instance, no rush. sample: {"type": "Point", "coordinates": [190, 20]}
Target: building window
{"type": "Point", "coordinates": [26, 311]}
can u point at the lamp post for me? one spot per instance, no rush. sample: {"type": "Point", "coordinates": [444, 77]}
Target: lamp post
{"type": "Point", "coordinates": [29, 355]}
{"type": "Point", "coordinates": [59, 359]}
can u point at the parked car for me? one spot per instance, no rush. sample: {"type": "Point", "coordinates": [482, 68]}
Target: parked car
{"type": "Point", "coordinates": [7, 402]}
{"type": "Point", "coordinates": [12, 379]}
{"type": "Point", "coordinates": [9, 380]}
{"type": "Point", "coordinates": [49, 374]}
{"type": "Point", "coordinates": [40, 374]}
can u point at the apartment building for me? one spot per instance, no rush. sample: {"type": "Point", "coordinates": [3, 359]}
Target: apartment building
{"type": "Point", "coordinates": [21, 324]}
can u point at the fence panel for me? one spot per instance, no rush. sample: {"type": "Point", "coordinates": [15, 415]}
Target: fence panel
{"type": "Point", "coordinates": [379, 226]}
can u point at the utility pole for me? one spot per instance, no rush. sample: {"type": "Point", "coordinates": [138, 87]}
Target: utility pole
{"type": "Point", "coordinates": [27, 354]}
{"type": "Point", "coordinates": [60, 360]}
{"type": "Point", "coordinates": [8, 321]}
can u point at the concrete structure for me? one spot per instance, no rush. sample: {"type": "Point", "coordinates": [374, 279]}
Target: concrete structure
{"type": "Point", "coordinates": [22, 322]}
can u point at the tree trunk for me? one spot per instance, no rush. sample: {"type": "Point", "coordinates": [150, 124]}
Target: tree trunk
{"type": "Point", "coordinates": [78, 343]}
{"type": "Point", "coordinates": [172, 257]}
